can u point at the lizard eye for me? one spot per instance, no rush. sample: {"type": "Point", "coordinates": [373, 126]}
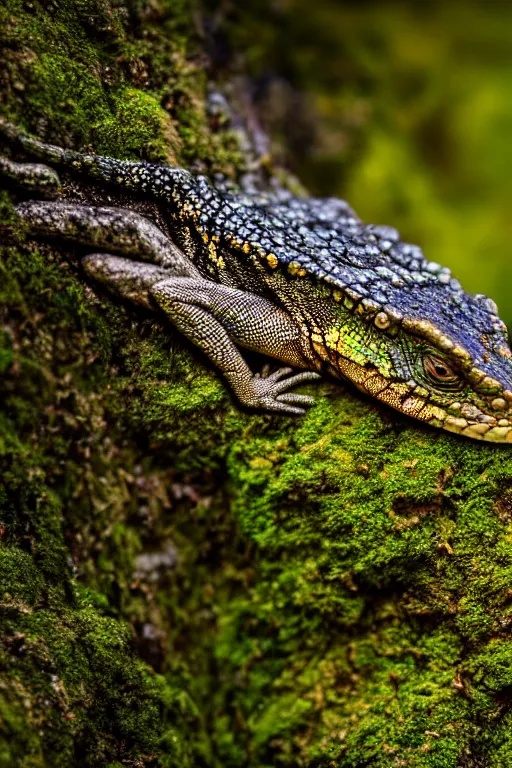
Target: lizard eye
{"type": "Point", "coordinates": [439, 371]}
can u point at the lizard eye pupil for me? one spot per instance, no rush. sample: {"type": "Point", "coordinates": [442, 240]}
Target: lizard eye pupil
{"type": "Point", "coordinates": [439, 371]}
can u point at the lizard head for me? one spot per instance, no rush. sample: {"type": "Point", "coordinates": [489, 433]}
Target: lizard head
{"type": "Point", "coordinates": [414, 339]}
{"type": "Point", "coordinates": [404, 331]}
{"type": "Point", "coordinates": [464, 378]}
{"type": "Point", "coordinates": [444, 358]}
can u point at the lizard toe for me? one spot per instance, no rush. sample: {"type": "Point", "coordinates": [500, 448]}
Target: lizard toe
{"type": "Point", "coordinates": [293, 398]}
{"type": "Point", "coordinates": [276, 375]}
{"type": "Point", "coordinates": [264, 373]}
{"type": "Point", "coordinates": [277, 406]}
{"type": "Point", "coordinates": [293, 381]}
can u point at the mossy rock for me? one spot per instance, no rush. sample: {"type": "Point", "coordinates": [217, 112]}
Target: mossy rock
{"type": "Point", "coordinates": [187, 584]}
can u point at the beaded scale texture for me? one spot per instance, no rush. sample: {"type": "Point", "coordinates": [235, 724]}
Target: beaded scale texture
{"type": "Point", "coordinates": [304, 281]}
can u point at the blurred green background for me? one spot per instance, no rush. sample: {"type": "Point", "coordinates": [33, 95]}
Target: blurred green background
{"type": "Point", "coordinates": [402, 108]}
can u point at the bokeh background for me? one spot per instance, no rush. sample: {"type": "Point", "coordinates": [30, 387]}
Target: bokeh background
{"type": "Point", "coordinates": [402, 108]}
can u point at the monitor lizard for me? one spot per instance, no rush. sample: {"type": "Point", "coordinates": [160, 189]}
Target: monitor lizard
{"type": "Point", "coordinates": [301, 280]}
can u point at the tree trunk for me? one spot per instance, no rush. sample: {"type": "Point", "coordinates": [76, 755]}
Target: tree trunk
{"type": "Point", "coordinates": [187, 584]}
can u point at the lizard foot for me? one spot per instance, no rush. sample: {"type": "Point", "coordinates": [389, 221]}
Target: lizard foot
{"type": "Point", "coordinates": [270, 391]}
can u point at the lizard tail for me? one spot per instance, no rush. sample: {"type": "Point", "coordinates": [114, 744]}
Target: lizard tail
{"type": "Point", "coordinates": [39, 149]}
{"type": "Point", "coordinates": [140, 177]}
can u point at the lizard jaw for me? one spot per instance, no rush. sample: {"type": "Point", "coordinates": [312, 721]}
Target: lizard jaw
{"type": "Point", "coordinates": [468, 420]}
{"type": "Point", "coordinates": [501, 433]}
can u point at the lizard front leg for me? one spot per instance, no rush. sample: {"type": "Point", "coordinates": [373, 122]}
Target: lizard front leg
{"type": "Point", "coordinates": [216, 318]}
{"type": "Point", "coordinates": [213, 316]}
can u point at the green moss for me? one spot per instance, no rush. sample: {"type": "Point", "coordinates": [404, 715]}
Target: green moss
{"type": "Point", "coordinates": [19, 577]}
{"type": "Point", "coordinates": [374, 597]}
{"type": "Point", "coordinates": [138, 122]}
{"type": "Point", "coordinates": [87, 74]}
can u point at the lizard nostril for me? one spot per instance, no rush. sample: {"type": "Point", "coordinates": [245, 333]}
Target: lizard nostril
{"type": "Point", "coordinates": [382, 321]}
{"type": "Point", "coordinates": [498, 404]}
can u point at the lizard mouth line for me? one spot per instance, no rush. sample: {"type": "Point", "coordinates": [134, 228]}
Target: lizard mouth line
{"type": "Point", "coordinates": [479, 431]}
{"type": "Point", "coordinates": [402, 398]}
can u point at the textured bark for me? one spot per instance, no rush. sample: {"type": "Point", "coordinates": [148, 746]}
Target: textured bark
{"type": "Point", "coordinates": [187, 584]}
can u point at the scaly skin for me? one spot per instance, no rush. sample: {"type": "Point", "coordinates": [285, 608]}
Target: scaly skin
{"type": "Point", "coordinates": [301, 280]}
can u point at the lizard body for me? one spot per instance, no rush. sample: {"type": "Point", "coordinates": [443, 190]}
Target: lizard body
{"type": "Point", "coordinates": [302, 280]}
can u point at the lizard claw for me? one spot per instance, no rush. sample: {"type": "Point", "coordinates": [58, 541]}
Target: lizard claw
{"type": "Point", "coordinates": [271, 392]}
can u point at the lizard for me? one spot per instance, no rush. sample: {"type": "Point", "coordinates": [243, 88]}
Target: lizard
{"type": "Point", "coordinates": [300, 280]}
